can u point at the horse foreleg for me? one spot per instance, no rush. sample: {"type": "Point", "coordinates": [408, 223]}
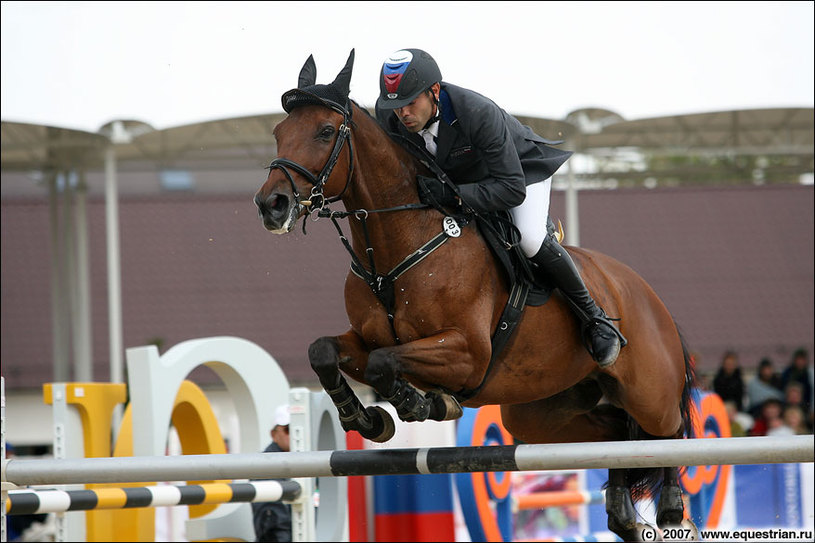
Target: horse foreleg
{"type": "Point", "coordinates": [437, 361]}
{"type": "Point", "coordinates": [372, 423]}
{"type": "Point", "coordinates": [410, 404]}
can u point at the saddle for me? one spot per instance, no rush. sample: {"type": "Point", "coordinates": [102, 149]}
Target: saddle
{"type": "Point", "coordinates": [501, 236]}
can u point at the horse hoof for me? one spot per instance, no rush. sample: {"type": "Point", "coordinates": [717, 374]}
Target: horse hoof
{"type": "Point", "coordinates": [443, 406]}
{"type": "Point", "coordinates": [383, 427]}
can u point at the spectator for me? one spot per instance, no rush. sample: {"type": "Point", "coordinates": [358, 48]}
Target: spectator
{"type": "Point", "coordinates": [728, 383]}
{"type": "Point", "coordinates": [22, 527]}
{"type": "Point", "coordinates": [272, 520]}
{"type": "Point", "coordinates": [769, 417]}
{"type": "Point", "coordinates": [740, 423]}
{"type": "Point", "coordinates": [794, 418]}
{"type": "Point", "coordinates": [779, 427]}
{"type": "Point", "coordinates": [765, 385]}
{"type": "Point", "coordinates": [794, 395]}
{"type": "Point", "coordinates": [799, 371]}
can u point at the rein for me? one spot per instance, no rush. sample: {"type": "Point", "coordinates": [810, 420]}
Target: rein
{"type": "Point", "coordinates": [382, 285]}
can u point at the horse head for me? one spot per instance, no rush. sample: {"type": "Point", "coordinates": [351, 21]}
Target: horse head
{"type": "Point", "coordinates": [311, 168]}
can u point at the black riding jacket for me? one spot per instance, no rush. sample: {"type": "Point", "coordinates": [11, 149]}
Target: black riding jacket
{"type": "Point", "coordinates": [488, 153]}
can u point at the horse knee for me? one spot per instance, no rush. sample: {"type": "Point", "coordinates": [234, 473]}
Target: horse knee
{"type": "Point", "coordinates": [323, 355]}
{"type": "Point", "coordinates": [382, 371]}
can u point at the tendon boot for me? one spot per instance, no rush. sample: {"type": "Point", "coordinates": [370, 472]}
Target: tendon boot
{"type": "Point", "coordinates": [600, 336]}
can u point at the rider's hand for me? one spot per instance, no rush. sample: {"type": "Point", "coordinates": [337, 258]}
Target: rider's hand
{"type": "Point", "coordinates": [431, 190]}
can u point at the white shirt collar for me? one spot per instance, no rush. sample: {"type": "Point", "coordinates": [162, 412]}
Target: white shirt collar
{"type": "Point", "coordinates": [433, 129]}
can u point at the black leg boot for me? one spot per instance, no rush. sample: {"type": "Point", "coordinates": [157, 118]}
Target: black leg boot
{"type": "Point", "coordinates": [600, 336]}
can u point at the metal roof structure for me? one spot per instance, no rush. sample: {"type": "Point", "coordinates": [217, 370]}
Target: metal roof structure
{"type": "Point", "coordinates": [770, 131]}
{"type": "Point", "coordinates": [783, 131]}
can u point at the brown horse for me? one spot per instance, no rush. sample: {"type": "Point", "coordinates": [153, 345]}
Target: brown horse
{"type": "Point", "coordinates": [421, 335]}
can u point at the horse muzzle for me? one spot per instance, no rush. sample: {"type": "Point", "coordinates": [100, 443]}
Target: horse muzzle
{"type": "Point", "coordinates": [278, 211]}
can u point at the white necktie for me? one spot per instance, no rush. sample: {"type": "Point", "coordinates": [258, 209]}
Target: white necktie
{"type": "Point", "coordinates": [429, 142]}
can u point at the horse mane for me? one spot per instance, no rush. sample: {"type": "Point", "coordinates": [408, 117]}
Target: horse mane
{"type": "Point", "coordinates": [400, 149]}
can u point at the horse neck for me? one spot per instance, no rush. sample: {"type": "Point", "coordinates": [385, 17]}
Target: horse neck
{"type": "Point", "coordinates": [384, 177]}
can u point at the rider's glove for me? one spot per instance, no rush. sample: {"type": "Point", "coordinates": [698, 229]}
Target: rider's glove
{"type": "Point", "coordinates": [433, 191]}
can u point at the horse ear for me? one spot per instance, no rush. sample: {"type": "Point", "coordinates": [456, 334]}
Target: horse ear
{"type": "Point", "coordinates": [308, 74]}
{"type": "Point", "coordinates": [343, 79]}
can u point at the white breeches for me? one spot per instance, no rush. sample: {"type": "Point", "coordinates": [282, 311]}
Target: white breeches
{"type": "Point", "coordinates": [532, 215]}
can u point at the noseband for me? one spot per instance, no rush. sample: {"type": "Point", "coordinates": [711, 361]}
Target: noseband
{"type": "Point", "coordinates": [317, 200]}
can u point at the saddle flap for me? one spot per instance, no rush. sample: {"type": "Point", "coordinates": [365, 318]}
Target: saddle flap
{"type": "Point", "coordinates": [514, 263]}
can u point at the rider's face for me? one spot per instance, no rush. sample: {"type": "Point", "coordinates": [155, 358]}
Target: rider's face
{"type": "Point", "coordinates": [416, 114]}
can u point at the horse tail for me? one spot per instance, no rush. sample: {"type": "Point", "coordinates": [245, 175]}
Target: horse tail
{"type": "Point", "coordinates": [645, 482]}
{"type": "Point", "coordinates": [686, 402]}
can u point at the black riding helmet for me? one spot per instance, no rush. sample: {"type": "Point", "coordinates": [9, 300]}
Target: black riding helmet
{"type": "Point", "coordinates": [404, 76]}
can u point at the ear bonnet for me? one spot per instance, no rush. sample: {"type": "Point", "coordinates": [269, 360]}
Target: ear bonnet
{"type": "Point", "coordinates": [333, 95]}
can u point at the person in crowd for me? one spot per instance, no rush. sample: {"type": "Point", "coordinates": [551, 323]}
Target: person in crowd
{"type": "Point", "coordinates": [21, 527]}
{"type": "Point", "coordinates": [729, 383]}
{"type": "Point", "coordinates": [800, 371]}
{"type": "Point", "coordinates": [769, 417]}
{"type": "Point", "coordinates": [740, 422]}
{"type": "Point", "coordinates": [764, 386]}
{"type": "Point", "coordinates": [794, 394]}
{"type": "Point", "coordinates": [795, 419]}
{"type": "Point", "coordinates": [272, 520]}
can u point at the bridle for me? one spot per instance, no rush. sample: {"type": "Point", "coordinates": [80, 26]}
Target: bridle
{"type": "Point", "coordinates": [317, 200]}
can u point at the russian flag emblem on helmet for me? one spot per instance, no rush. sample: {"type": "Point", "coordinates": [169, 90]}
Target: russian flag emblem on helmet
{"type": "Point", "coordinates": [393, 70]}
{"type": "Point", "coordinates": [406, 74]}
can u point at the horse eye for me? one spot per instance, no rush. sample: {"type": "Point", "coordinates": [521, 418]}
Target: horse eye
{"type": "Point", "coordinates": [326, 132]}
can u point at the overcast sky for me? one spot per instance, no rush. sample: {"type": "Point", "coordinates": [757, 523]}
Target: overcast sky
{"type": "Point", "coordinates": [81, 65]}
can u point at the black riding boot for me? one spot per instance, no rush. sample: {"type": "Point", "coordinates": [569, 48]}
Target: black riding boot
{"type": "Point", "coordinates": [600, 336]}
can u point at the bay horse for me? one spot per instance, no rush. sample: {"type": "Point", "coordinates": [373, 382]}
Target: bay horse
{"type": "Point", "coordinates": [421, 334]}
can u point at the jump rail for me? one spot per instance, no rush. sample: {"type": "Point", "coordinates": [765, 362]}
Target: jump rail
{"type": "Point", "coordinates": [24, 502]}
{"type": "Point", "coordinates": [614, 454]}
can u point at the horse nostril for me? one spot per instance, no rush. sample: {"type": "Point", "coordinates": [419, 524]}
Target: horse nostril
{"type": "Point", "coordinates": [274, 205]}
{"type": "Point", "coordinates": [279, 203]}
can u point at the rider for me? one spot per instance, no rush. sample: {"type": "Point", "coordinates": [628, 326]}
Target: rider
{"type": "Point", "coordinates": [497, 164]}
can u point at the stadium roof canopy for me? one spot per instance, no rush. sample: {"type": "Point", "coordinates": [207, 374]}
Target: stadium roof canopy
{"type": "Point", "coordinates": [249, 140]}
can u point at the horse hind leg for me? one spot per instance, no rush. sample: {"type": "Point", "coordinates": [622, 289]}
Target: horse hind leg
{"type": "Point", "coordinates": [622, 516]}
{"type": "Point", "coordinates": [625, 486]}
{"type": "Point", "coordinates": [373, 423]}
{"type": "Point", "coordinates": [671, 508]}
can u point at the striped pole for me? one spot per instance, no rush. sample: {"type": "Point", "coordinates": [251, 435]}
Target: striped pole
{"type": "Point", "coordinates": [26, 502]}
{"type": "Point", "coordinates": [559, 456]}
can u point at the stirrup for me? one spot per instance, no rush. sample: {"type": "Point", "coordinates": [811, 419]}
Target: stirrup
{"type": "Point", "coordinates": [605, 319]}
{"type": "Point", "coordinates": [595, 324]}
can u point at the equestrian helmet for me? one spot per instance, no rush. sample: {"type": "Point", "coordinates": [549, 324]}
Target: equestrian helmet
{"type": "Point", "coordinates": [404, 76]}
